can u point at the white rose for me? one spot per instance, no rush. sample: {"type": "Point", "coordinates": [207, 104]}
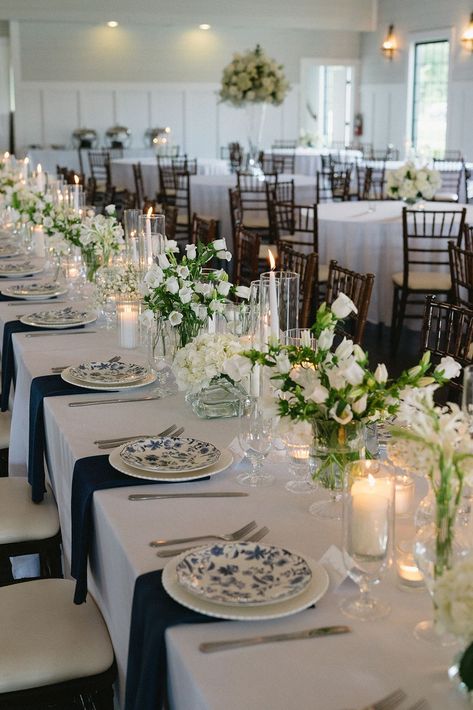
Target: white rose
{"type": "Point", "coordinates": [223, 288]}
{"type": "Point", "coordinates": [448, 367]}
{"type": "Point", "coordinates": [191, 251]}
{"type": "Point", "coordinates": [172, 284]}
{"type": "Point", "coordinates": [175, 318]}
{"type": "Point", "coordinates": [381, 374]}
{"type": "Point", "coordinates": [242, 292]}
{"type": "Point", "coordinates": [343, 306]}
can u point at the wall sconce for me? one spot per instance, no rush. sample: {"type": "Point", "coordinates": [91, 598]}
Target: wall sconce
{"type": "Point", "coordinates": [389, 45]}
{"type": "Point", "coordinates": [467, 36]}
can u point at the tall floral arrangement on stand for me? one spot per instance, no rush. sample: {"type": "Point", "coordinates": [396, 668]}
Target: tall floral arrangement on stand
{"type": "Point", "coordinates": [180, 291]}
{"type": "Point", "coordinates": [410, 183]}
{"type": "Point", "coordinates": [253, 80]}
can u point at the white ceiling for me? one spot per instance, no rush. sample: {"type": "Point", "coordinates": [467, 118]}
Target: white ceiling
{"type": "Point", "coordinates": [356, 15]}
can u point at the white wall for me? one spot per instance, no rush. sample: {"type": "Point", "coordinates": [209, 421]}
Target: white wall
{"type": "Point", "coordinates": [4, 92]}
{"type": "Point", "coordinates": [71, 75]}
{"type": "Point", "coordinates": [384, 84]}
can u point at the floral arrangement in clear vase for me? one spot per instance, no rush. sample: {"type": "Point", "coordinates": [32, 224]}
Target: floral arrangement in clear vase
{"type": "Point", "coordinates": [410, 183]}
{"type": "Point", "coordinates": [182, 292]}
{"type": "Point", "coordinates": [100, 238]}
{"type": "Point", "coordinates": [435, 442]}
{"type": "Point", "coordinates": [200, 369]}
{"type": "Point", "coordinates": [334, 389]}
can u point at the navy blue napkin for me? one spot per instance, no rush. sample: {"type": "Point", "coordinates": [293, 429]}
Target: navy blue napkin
{"type": "Point", "coordinates": [41, 387]}
{"type": "Point", "coordinates": [8, 363]}
{"type": "Point", "coordinates": [153, 611]}
{"type": "Point", "coordinates": [93, 473]}
{"type": "Point", "coordinates": [10, 298]}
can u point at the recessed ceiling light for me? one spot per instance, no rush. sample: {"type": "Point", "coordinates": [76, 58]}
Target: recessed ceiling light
{"type": "Point", "coordinates": [204, 26]}
{"type": "Point", "coordinates": [112, 23]}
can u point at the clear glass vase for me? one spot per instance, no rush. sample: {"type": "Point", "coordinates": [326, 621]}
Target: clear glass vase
{"type": "Point", "coordinates": [106, 278]}
{"type": "Point", "coordinates": [334, 445]}
{"type": "Point", "coordinates": [255, 115]}
{"type": "Point", "coordinates": [163, 341]}
{"type": "Point", "coordinates": [220, 399]}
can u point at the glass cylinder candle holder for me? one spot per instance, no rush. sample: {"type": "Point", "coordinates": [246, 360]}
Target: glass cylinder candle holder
{"type": "Point", "coordinates": [131, 229]}
{"type": "Point", "coordinates": [405, 492]}
{"type": "Point", "coordinates": [74, 197]}
{"type": "Point", "coordinates": [300, 337]}
{"type": "Point", "coordinates": [279, 303]}
{"type": "Point", "coordinates": [408, 573]}
{"type": "Point", "coordinates": [127, 323]}
{"type": "Point", "coordinates": [151, 239]}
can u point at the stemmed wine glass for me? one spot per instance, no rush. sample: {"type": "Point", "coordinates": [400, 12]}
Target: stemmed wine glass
{"type": "Point", "coordinates": [368, 504]}
{"type": "Point", "coordinates": [255, 440]}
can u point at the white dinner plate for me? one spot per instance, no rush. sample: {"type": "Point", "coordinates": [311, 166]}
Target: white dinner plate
{"type": "Point", "coordinates": [108, 373]}
{"type": "Point", "coordinates": [35, 291]}
{"type": "Point", "coordinates": [314, 591]}
{"type": "Point", "coordinates": [7, 251]}
{"type": "Point", "coordinates": [67, 377]}
{"type": "Point", "coordinates": [225, 460]}
{"type": "Point", "coordinates": [164, 454]}
{"type": "Point", "coordinates": [243, 573]}
{"type": "Point", "coordinates": [59, 318]}
{"type": "Point", "coordinates": [9, 270]}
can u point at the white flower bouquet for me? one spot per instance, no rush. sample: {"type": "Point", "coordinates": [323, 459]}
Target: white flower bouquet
{"type": "Point", "coordinates": [121, 281]}
{"type": "Point", "coordinates": [253, 78]}
{"type": "Point", "coordinates": [204, 359]}
{"type": "Point", "coordinates": [184, 292]}
{"type": "Point", "coordinates": [100, 237]}
{"type": "Point", "coordinates": [410, 183]}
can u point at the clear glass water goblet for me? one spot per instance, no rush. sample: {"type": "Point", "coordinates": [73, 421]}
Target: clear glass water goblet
{"type": "Point", "coordinates": [255, 438]}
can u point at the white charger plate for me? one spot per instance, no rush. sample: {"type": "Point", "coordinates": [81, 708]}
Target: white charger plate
{"type": "Point", "coordinates": [34, 291]}
{"type": "Point", "coordinates": [224, 462]}
{"type": "Point", "coordinates": [243, 573]}
{"type": "Point", "coordinates": [7, 251]}
{"type": "Point", "coordinates": [36, 320]}
{"type": "Point", "coordinates": [147, 380]}
{"type": "Point", "coordinates": [9, 270]}
{"type": "Point", "coordinates": [314, 591]}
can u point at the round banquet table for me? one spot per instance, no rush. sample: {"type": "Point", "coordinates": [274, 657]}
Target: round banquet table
{"type": "Point", "coordinates": [122, 172]}
{"type": "Point", "coordinates": [309, 160]}
{"type": "Point", "coordinates": [369, 242]}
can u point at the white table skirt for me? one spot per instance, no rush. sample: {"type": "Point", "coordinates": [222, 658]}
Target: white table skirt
{"type": "Point", "coordinates": [369, 242]}
{"type": "Point", "coordinates": [344, 671]}
{"type": "Point", "coordinates": [122, 172]}
{"type": "Point", "coordinates": [69, 158]}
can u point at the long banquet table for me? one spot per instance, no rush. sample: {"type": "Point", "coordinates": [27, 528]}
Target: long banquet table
{"type": "Point", "coordinates": [367, 237]}
{"type": "Point", "coordinates": [343, 671]}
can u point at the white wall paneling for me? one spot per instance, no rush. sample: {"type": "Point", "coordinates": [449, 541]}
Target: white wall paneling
{"type": "Point", "coordinates": [97, 110]}
{"type": "Point", "coordinates": [384, 114]}
{"type": "Point", "coordinates": [201, 133]}
{"type": "Point", "coordinates": [4, 92]}
{"type": "Point", "coordinates": [60, 110]}
{"type": "Point", "coordinates": [133, 110]}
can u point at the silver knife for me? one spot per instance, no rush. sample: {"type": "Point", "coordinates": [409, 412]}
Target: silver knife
{"type": "Point", "coordinates": [60, 332]}
{"type": "Point", "coordinates": [19, 302]}
{"type": "Point", "coordinates": [211, 646]}
{"type": "Point", "coordinates": [160, 496]}
{"type": "Point", "coordinates": [89, 402]}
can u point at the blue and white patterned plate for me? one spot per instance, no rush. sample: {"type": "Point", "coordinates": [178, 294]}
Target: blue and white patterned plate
{"type": "Point", "coordinates": [18, 269]}
{"type": "Point", "coordinates": [168, 453]}
{"type": "Point", "coordinates": [108, 373]}
{"type": "Point", "coordinates": [60, 318]}
{"type": "Point", "coordinates": [7, 250]}
{"type": "Point", "coordinates": [243, 573]}
{"type": "Point", "coordinates": [36, 290]}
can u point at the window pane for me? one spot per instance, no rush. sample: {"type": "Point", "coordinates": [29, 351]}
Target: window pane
{"type": "Point", "coordinates": [429, 125]}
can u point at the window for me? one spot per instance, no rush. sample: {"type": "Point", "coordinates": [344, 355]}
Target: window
{"type": "Point", "coordinates": [335, 104]}
{"type": "Point", "coordinates": [430, 96]}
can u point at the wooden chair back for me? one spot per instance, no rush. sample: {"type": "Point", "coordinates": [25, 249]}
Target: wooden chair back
{"type": "Point", "coordinates": [356, 286]}
{"type": "Point", "coordinates": [425, 238]}
{"type": "Point", "coordinates": [451, 172]}
{"type": "Point", "coordinates": [461, 273]}
{"type": "Point", "coordinates": [203, 230]}
{"type": "Point", "coordinates": [246, 254]}
{"type": "Point", "coordinates": [99, 163]}
{"type": "Point", "coordinates": [306, 266]}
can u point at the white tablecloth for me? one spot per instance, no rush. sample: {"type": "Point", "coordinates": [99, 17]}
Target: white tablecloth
{"type": "Point", "coordinates": [342, 671]}
{"type": "Point", "coordinates": [309, 160]}
{"type": "Point", "coordinates": [50, 158]}
{"type": "Point", "coordinates": [371, 242]}
{"type": "Point", "coordinates": [122, 172]}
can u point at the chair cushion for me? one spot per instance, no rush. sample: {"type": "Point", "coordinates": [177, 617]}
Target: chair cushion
{"type": "Point", "coordinates": [446, 197]}
{"type": "Point", "coordinates": [22, 520]}
{"type": "Point", "coordinates": [45, 638]}
{"type": "Point", "coordinates": [255, 220]}
{"type": "Point", "coordinates": [5, 423]}
{"type": "Point", "coordinates": [182, 219]}
{"type": "Point", "coordinates": [323, 273]}
{"type": "Point", "coordinates": [424, 280]}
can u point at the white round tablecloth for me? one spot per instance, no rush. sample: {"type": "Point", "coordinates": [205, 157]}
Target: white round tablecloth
{"type": "Point", "coordinates": [371, 242]}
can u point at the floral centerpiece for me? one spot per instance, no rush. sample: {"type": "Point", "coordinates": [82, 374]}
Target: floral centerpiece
{"type": "Point", "coordinates": [100, 237]}
{"type": "Point", "coordinates": [335, 390]}
{"type": "Point", "coordinates": [180, 291]}
{"type": "Point", "coordinates": [435, 441]}
{"type": "Point", "coordinates": [63, 225]}
{"type": "Point", "coordinates": [453, 598]}
{"type": "Point", "coordinates": [410, 183]}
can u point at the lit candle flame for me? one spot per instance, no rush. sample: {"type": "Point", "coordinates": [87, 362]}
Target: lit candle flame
{"type": "Point", "coordinates": [272, 260]}
{"type": "Point", "coordinates": [6, 155]}
{"type": "Point", "coordinates": [149, 212]}
{"type": "Point", "coordinates": [27, 160]}
{"type": "Point", "coordinates": [371, 480]}
{"type": "Point", "coordinates": [39, 169]}
{"type": "Point", "coordinates": [76, 179]}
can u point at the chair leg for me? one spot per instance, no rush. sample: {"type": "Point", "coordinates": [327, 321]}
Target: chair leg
{"type": "Point", "coordinates": [396, 332]}
{"type": "Point", "coordinates": [103, 699]}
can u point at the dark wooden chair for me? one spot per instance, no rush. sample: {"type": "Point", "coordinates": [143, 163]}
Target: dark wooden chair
{"type": "Point", "coordinates": [284, 144]}
{"type": "Point", "coordinates": [254, 200]}
{"type": "Point", "coordinates": [452, 172]}
{"type": "Point", "coordinates": [305, 265]}
{"type": "Point", "coordinates": [246, 256]}
{"type": "Point", "coordinates": [185, 164]}
{"type": "Point", "coordinates": [99, 163]}
{"type": "Point", "coordinates": [371, 180]}
{"type": "Point", "coordinates": [175, 186]}
{"type": "Point", "coordinates": [235, 155]}
{"type": "Point", "coordinates": [278, 162]}
{"type": "Point", "coordinates": [461, 274]}
{"type": "Point", "coordinates": [425, 235]}
{"type": "Point", "coordinates": [356, 286]}
{"type": "Point", "coordinates": [334, 185]}
{"type": "Point", "coordinates": [170, 214]}
{"type": "Point", "coordinates": [448, 330]}
{"type": "Point", "coordinates": [142, 201]}
{"type": "Point", "coordinates": [236, 212]}
{"type": "Point", "coordinates": [203, 230]}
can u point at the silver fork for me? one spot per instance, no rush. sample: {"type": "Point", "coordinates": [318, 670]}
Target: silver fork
{"type": "Point", "coordinates": [421, 704]}
{"type": "Point", "coordinates": [256, 537]}
{"type": "Point", "coordinates": [123, 439]}
{"type": "Point", "coordinates": [178, 432]}
{"type": "Point", "coordinates": [390, 702]}
{"type": "Point", "coordinates": [227, 537]}
{"type": "Point", "coordinates": [60, 368]}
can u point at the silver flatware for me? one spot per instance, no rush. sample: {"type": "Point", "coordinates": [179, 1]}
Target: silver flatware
{"type": "Point", "coordinates": [91, 402]}
{"type": "Point", "coordinates": [60, 332]}
{"type": "Point", "coordinates": [389, 702]}
{"type": "Point", "coordinates": [124, 439]}
{"type": "Point", "coordinates": [114, 445]}
{"type": "Point", "coordinates": [163, 496]}
{"type": "Point", "coordinates": [256, 537]}
{"type": "Point", "coordinates": [228, 537]}
{"type": "Point", "coordinates": [421, 704]}
{"type": "Point", "coordinates": [321, 631]}
{"type": "Point", "coordinates": [19, 302]}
